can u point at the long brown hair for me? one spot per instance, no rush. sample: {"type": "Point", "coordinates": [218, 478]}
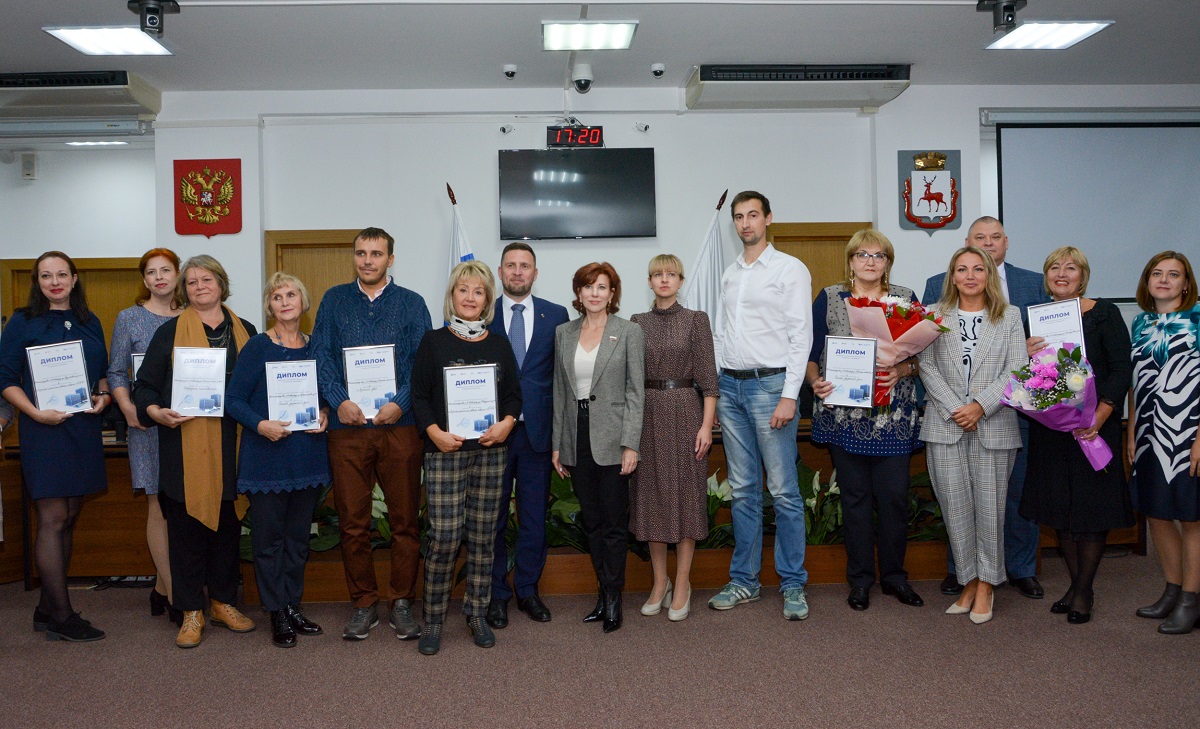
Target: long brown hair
{"type": "Point", "coordinates": [992, 293]}
{"type": "Point", "coordinates": [144, 295]}
{"type": "Point", "coordinates": [39, 304]}
{"type": "Point", "coordinates": [1146, 301]}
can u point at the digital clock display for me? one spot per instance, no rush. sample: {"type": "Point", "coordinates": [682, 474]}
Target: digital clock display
{"type": "Point", "coordinates": [574, 136]}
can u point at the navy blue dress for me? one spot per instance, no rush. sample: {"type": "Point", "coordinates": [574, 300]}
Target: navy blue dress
{"type": "Point", "coordinates": [298, 461]}
{"type": "Point", "coordinates": [47, 473]}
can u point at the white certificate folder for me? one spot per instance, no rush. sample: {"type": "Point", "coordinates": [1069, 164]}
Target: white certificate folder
{"type": "Point", "coordinates": [198, 381]}
{"type": "Point", "coordinates": [471, 403]}
{"type": "Point", "coordinates": [370, 377]}
{"type": "Point", "coordinates": [292, 393]}
{"type": "Point", "coordinates": [850, 367]}
{"type": "Point", "coordinates": [59, 374]}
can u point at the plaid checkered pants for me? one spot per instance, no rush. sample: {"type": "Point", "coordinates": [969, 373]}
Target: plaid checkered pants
{"type": "Point", "coordinates": [462, 489]}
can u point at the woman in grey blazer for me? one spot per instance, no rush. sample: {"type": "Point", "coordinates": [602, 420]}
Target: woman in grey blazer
{"type": "Point", "coordinates": [972, 440]}
{"type": "Point", "coordinates": [599, 387]}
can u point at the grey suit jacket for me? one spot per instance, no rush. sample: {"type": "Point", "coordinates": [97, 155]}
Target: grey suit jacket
{"type": "Point", "coordinates": [1001, 349]}
{"type": "Point", "coordinates": [618, 391]}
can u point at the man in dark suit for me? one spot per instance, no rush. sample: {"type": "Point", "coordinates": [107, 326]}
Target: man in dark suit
{"type": "Point", "coordinates": [528, 323]}
{"type": "Point", "coordinates": [1023, 288]}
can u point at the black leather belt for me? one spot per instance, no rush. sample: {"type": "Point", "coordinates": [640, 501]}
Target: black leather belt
{"type": "Point", "coordinates": [754, 374]}
{"type": "Point", "coordinates": [669, 384]}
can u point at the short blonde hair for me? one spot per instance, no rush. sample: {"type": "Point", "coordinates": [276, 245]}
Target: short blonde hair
{"type": "Point", "coordinates": [278, 280]}
{"type": "Point", "coordinates": [666, 262]}
{"type": "Point", "coordinates": [869, 237]}
{"type": "Point", "coordinates": [208, 263]}
{"type": "Point", "coordinates": [469, 270]}
{"type": "Point", "coordinates": [1073, 254]}
{"type": "Point", "coordinates": [992, 293]}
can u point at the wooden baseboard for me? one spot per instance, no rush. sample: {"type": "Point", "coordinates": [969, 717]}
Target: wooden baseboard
{"type": "Point", "coordinates": [570, 573]}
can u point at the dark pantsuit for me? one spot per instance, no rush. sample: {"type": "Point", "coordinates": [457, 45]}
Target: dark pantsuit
{"type": "Point", "coordinates": [282, 523]}
{"type": "Point", "coordinates": [358, 457]}
{"type": "Point", "coordinates": [462, 490]}
{"type": "Point", "coordinates": [870, 484]}
{"type": "Point", "coordinates": [528, 470]}
{"type": "Point", "coordinates": [201, 557]}
{"type": "Point", "coordinates": [604, 507]}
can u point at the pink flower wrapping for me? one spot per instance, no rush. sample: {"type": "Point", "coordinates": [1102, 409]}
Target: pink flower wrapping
{"type": "Point", "coordinates": [870, 321]}
{"type": "Point", "coordinates": [1066, 416]}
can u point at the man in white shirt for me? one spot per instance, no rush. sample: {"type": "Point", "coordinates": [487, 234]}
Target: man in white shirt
{"type": "Point", "coordinates": [762, 346]}
{"type": "Point", "coordinates": [1022, 288]}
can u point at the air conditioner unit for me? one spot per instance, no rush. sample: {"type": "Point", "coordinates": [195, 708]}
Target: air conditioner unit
{"type": "Point", "coordinates": [795, 86]}
{"type": "Point", "coordinates": [84, 94]}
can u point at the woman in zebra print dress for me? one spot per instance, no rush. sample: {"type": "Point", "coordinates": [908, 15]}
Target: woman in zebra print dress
{"type": "Point", "coordinates": [1162, 444]}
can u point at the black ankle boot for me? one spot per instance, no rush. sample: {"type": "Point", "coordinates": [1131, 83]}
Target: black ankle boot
{"type": "Point", "coordinates": [158, 603]}
{"type": "Point", "coordinates": [1165, 604]}
{"type": "Point", "coordinates": [1184, 617]}
{"type": "Point", "coordinates": [598, 611]}
{"type": "Point", "coordinates": [282, 632]}
{"type": "Point", "coordinates": [612, 610]}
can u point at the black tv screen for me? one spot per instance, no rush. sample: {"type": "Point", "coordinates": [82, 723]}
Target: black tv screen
{"type": "Point", "coordinates": [577, 193]}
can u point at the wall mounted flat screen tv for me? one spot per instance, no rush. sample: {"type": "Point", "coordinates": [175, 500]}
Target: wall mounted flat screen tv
{"type": "Point", "coordinates": [577, 193]}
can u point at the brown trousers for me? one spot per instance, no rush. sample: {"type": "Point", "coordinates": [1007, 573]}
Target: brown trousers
{"type": "Point", "coordinates": [358, 459]}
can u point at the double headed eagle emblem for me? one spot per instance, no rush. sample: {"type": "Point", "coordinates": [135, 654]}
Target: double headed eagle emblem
{"type": "Point", "coordinates": [208, 193]}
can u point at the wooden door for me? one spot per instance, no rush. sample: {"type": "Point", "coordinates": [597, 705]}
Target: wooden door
{"type": "Point", "coordinates": [822, 247]}
{"type": "Point", "coordinates": [319, 258]}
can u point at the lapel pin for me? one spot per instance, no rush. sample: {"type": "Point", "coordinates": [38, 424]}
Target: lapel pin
{"type": "Point", "coordinates": [612, 338]}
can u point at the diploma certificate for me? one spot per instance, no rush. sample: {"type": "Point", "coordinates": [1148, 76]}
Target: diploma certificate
{"type": "Point", "coordinates": [59, 374]}
{"type": "Point", "coordinates": [471, 406]}
{"type": "Point", "coordinates": [850, 367]}
{"type": "Point", "coordinates": [1059, 323]}
{"type": "Point", "coordinates": [370, 377]}
{"type": "Point", "coordinates": [292, 394]}
{"type": "Point", "coordinates": [137, 358]}
{"type": "Point", "coordinates": [198, 381]}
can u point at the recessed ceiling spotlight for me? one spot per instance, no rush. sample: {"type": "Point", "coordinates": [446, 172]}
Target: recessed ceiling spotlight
{"type": "Point", "coordinates": [1048, 35]}
{"type": "Point", "coordinates": [587, 35]}
{"type": "Point", "coordinates": [108, 41]}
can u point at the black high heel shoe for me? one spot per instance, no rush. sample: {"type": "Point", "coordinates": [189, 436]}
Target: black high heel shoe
{"type": "Point", "coordinates": [158, 603]}
{"type": "Point", "coordinates": [612, 610]}
{"type": "Point", "coordinates": [597, 612]}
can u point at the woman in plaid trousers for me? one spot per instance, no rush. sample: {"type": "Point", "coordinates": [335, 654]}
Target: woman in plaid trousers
{"type": "Point", "coordinates": [464, 462]}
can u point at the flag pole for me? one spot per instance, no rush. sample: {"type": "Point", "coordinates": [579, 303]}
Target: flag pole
{"type": "Point", "coordinates": [720, 203]}
{"type": "Point", "coordinates": [450, 192]}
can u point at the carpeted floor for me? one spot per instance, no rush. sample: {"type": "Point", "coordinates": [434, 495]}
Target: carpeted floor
{"type": "Point", "coordinates": [892, 666]}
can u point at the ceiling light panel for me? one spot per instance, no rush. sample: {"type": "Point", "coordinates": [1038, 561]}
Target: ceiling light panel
{"type": "Point", "coordinates": [110, 41]}
{"type": "Point", "coordinates": [95, 144]}
{"type": "Point", "coordinates": [587, 35]}
{"type": "Point", "coordinates": [1047, 35]}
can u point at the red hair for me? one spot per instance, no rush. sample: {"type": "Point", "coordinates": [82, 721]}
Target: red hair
{"type": "Point", "coordinates": [144, 295]}
{"type": "Point", "coordinates": [587, 275]}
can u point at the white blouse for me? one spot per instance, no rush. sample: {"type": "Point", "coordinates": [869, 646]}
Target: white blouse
{"type": "Point", "coordinates": [585, 365]}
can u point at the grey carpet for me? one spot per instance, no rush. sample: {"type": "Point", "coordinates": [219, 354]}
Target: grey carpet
{"type": "Point", "coordinates": [892, 666]}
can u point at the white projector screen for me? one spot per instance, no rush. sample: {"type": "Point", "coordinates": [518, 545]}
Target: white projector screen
{"type": "Point", "coordinates": [1118, 193]}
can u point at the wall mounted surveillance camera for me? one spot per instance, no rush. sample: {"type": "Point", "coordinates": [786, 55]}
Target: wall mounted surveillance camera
{"type": "Point", "coordinates": [507, 129]}
{"type": "Point", "coordinates": [151, 13]}
{"type": "Point", "coordinates": [657, 70]}
{"type": "Point", "coordinates": [581, 77]}
{"type": "Point", "coordinates": [510, 71]}
{"type": "Point", "coordinates": [639, 126]}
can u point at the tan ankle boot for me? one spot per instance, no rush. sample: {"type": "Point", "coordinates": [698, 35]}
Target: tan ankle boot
{"type": "Point", "coordinates": [192, 630]}
{"type": "Point", "coordinates": [228, 615]}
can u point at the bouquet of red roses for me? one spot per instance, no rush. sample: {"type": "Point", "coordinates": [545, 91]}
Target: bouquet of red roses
{"type": "Point", "coordinates": [901, 327]}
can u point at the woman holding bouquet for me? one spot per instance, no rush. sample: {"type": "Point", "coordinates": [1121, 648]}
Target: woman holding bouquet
{"type": "Point", "coordinates": [1063, 490]}
{"type": "Point", "coordinates": [870, 446]}
{"type": "Point", "coordinates": [1164, 412]}
{"type": "Point", "coordinates": [972, 440]}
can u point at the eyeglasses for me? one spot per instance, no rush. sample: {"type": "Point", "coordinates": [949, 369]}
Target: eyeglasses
{"type": "Point", "coordinates": [864, 256]}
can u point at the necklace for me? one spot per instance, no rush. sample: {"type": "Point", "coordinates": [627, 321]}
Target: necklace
{"type": "Point", "coordinates": [274, 334]}
{"type": "Point", "coordinates": [220, 340]}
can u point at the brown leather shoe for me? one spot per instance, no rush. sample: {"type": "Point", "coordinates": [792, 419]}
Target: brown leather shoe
{"type": "Point", "coordinates": [228, 615]}
{"type": "Point", "coordinates": [192, 630]}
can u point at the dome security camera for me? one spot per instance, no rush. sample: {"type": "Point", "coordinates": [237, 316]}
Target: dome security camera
{"type": "Point", "coordinates": [581, 77]}
{"type": "Point", "coordinates": [510, 71]}
{"type": "Point", "coordinates": [657, 70]}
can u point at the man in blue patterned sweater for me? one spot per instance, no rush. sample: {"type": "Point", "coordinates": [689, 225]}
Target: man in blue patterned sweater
{"type": "Point", "coordinates": [372, 311]}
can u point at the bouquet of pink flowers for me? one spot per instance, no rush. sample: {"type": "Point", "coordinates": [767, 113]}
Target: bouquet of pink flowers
{"type": "Point", "coordinates": [1058, 389]}
{"type": "Point", "coordinates": [902, 327]}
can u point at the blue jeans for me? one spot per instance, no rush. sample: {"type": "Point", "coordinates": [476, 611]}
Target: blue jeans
{"type": "Point", "coordinates": [745, 409]}
{"type": "Point", "coordinates": [1021, 536]}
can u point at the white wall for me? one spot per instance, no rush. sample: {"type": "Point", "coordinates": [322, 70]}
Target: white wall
{"type": "Point", "coordinates": [348, 159]}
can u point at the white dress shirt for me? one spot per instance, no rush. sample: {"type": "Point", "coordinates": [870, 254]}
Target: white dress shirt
{"type": "Point", "coordinates": [1003, 282]}
{"type": "Point", "coordinates": [506, 305]}
{"type": "Point", "coordinates": [766, 311]}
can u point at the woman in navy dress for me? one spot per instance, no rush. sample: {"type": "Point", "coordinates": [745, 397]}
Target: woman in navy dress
{"type": "Point", "coordinates": [158, 303]}
{"type": "Point", "coordinates": [57, 312]}
{"type": "Point", "coordinates": [281, 472]}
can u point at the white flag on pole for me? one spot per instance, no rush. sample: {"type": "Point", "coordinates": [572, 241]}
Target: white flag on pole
{"type": "Point", "coordinates": [702, 288]}
{"type": "Point", "coordinates": [460, 246]}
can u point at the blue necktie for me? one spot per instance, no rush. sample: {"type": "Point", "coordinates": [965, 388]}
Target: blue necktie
{"type": "Point", "coordinates": [516, 333]}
